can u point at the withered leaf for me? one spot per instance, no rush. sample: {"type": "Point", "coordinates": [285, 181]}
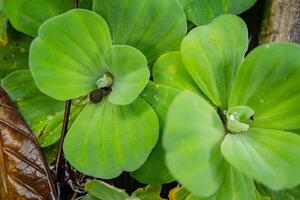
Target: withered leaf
{"type": "Point", "coordinates": [24, 174]}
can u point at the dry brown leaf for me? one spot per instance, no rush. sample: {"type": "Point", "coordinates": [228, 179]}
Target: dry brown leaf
{"type": "Point", "coordinates": [24, 174]}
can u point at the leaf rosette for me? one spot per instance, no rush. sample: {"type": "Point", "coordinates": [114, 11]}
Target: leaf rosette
{"type": "Point", "coordinates": [73, 57]}
{"type": "Point", "coordinates": [236, 118]}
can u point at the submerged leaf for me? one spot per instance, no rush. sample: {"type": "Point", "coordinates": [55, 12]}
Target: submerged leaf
{"type": "Point", "coordinates": [22, 164]}
{"type": "Point", "coordinates": [107, 139]}
{"type": "Point", "coordinates": [154, 27]}
{"type": "Point", "coordinates": [202, 12]}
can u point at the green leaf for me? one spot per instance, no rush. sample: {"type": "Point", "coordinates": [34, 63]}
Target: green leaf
{"type": "Point", "coordinates": [170, 71]}
{"type": "Point", "coordinates": [269, 82]}
{"type": "Point", "coordinates": [67, 57]}
{"type": "Point", "coordinates": [14, 55]}
{"type": "Point", "coordinates": [116, 138]}
{"type": "Point", "coordinates": [45, 121]}
{"type": "Point", "coordinates": [269, 156]}
{"type": "Point", "coordinates": [235, 186]}
{"type": "Point", "coordinates": [178, 193]}
{"type": "Point", "coordinates": [3, 26]}
{"type": "Point", "coordinates": [27, 16]}
{"type": "Point", "coordinates": [291, 194]}
{"type": "Point", "coordinates": [159, 97]}
{"type": "Point", "coordinates": [192, 139]}
{"type": "Point", "coordinates": [130, 73]}
{"type": "Point", "coordinates": [50, 153]}
{"type": "Point", "coordinates": [150, 192]}
{"type": "Point", "coordinates": [202, 12]}
{"type": "Point", "coordinates": [104, 191]}
{"type": "Point", "coordinates": [212, 55]}
{"type": "Point", "coordinates": [143, 25]}
{"type": "Point", "coordinates": [86, 4]}
{"type": "Point", "coordinates": [89, 197]}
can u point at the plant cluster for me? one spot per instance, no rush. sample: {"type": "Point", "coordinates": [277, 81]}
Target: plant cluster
{"type": "Point", "coordinates": [155, 99]}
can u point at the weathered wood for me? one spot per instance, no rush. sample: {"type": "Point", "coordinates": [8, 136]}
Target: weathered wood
{"type": "Point", "coordinates": [281, 21]}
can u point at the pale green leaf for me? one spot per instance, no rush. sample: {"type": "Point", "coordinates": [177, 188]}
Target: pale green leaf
{"type": "Point", "coordinates": [235, 186]}
{"type": "Point", "coordinates": [27, 16]}
{"type": "Point", "coordinates": [212, 55]}
{"type": "Point", "coordinates": [154, 27]}
{"type": "Point", "coordinates": [202, 12]}
{"type": "Point", "coordinates": [107, 139]}
{"type": "Point", "coordinates": [170, 71]}
{"type": "Point", "coordinates": [67, 57]}
{"type": "Point", "coordinates": [268, 83]}
{"type": "Point", "coordinates": [269, 156]}
{"type": "Point", "coordinates": [159, 97]}
{"type": "Point", "coordinates": [103, 191]}
{"type": "Point", "coordinates": [150, 192]}
{"type": "Point", "coordinates": [192, 139]}
{"type": "Point", "coordinates": [130, 72]}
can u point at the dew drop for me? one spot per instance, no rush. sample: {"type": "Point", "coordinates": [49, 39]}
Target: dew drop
{"type": "Point", "coordinates": [49, 117]}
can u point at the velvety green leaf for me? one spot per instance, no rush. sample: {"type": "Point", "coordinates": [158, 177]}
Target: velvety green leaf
{"type": "Point", "coordinates": [269, 156]}
{"type": "Point", "coordinates": [235, 186]}
{"type": "Point", "coordinates": [201, 12]}
{"type": "Point", "coordinates": [159, 97]}
{"type": "Point", "coordinates": [154, 164]}
{"type": "Point", "coordinates": [14, 55]}
{"type": "Point", "coordinates": [130, 73]}
{"type": "Point", "coordinates": [154, 27]}
{"type": "Point", "coordinates": [45, 121]}
{"type": "Point", "coordinates": [170, 71]}
{"type": "Point", "coordinates": [27, 16]}
{"type": "Point", "coordinates": [104, 191]}
{"type": "Point", "coordinates": [3, 26]}
{"type": "Point", "coordinates": [150, 192]}
{"type": "Point", "coordinates": [268, 82]}
{"type": "Point", "coordinates": [192, 139]}
{"type": "Point", "coordinates": [116, 138]}
{"type": "Point", "coordinates": [67, 57]}
{"type": "Point", "coordinates": [212, 55]}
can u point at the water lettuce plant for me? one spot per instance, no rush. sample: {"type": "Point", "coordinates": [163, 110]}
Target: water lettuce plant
{"type": "Point", "coordinates": [111, 77]}
{"type": "Point", "coordinates": [237, 121]}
